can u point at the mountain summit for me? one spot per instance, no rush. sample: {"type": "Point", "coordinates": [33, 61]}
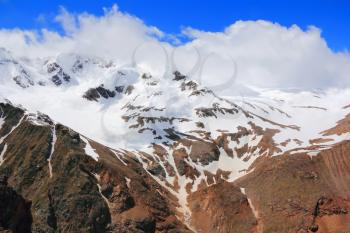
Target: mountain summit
{"type": "Point", "coordinates": [88, 145]}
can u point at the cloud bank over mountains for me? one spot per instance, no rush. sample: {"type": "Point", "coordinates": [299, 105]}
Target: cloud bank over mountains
{"type": "Point", "coordinates": [258, 53]}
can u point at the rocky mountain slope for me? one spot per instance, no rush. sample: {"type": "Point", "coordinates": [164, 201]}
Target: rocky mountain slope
{"type": "Point", "coordinates": [128, 151]}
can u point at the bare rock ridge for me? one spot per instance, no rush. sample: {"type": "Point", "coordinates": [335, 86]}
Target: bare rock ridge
{"type": "Point", "coordinates": [98, 92]}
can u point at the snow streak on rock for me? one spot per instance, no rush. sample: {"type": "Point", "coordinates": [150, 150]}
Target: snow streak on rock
{"type": "Point", "coordinates": [53, 143]}
{"type": "Point", "coordinates": [13, 128]}
{"type": "Point", "coordinates": [89, 150]}
{"type": "Point", "coordinates": [3, 154]}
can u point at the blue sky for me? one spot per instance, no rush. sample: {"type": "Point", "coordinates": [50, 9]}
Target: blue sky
{"type": "Point", "coordinates": [332, 17]}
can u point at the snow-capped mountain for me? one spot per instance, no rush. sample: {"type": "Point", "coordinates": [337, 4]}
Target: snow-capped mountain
{"type": "Point", "coordinates": [183, 135]}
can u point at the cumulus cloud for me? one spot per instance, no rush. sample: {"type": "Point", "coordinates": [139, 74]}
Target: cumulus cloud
{"type": "Point", "coordinates": [268, 54]}
{"type": "Point", "coordinates": [258, 53]}
{"type": "Point", "coordinates": [113, 35]}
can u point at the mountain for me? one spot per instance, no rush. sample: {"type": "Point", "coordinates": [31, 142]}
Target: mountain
{"type": "Point", "coordinates": [89, 145]}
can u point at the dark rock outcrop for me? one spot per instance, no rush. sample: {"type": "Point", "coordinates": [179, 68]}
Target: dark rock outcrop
{"type": "Point", "coordinates": [15, 211]}
{"type": "Point", "coordinates": [58, 75]}
{"type": "Point", "coordinates": [94, 94]}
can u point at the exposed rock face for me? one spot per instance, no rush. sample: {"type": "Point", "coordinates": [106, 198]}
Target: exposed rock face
{"type": "Point", "coordinates": [55, 203]}
{"type": "Point", "coordinates": [221, 208]}
{"type": "Point", "coordinates": [81, 194]}
{"type": "Point", "coordinates": [294, 193]}
{"type": "Point", "coordinates": [15, 214]}
{"type": "Point", "coordinates": [58, 75]}
{"type": "Point", "coordinates": [94, 94]}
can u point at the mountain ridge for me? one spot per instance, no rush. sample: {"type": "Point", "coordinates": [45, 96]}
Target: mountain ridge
{"type": "Point", "coordinates": [175, 136]}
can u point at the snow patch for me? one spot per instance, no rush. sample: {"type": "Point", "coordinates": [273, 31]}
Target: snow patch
{"type": "Point", "coordinates": [3, 154]}
{"type": "Point", "coordinates": [127, 182]}
{"type": "Point", "coordinates": [255, 212]}
{"type": "Point", "coordinates": [89, 150]}
{"type": "Point", "coordinates": [237, 166]}
{"type": "Point", "coordinates": [2, 118]}
{"type": "Point", "coordinates": [313, 153]}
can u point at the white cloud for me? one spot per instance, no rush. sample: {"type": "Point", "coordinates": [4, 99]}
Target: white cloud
{"type": "Point", "coordinates": [114, 35]}
{"type": "Point", "coordinates": [67, 20]}
{"type": "Point", "coordinates": [267, 54]}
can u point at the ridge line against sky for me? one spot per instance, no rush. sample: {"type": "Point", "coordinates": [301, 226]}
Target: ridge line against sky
{"type": "Point", "coordinates": [267, 53]}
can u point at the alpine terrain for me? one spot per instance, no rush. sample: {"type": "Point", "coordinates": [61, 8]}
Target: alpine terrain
{"type": "Point", "coordinates": [87, 145]}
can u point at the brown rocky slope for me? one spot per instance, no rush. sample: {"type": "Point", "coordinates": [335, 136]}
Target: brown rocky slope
{"type": "Point", "coordinates": [82, 195]}
{"type": "Point", "coordinates": [115, 193]}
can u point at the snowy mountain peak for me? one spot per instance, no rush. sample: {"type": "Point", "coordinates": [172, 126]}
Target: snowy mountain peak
{"type": "Point", "coordinates": [183, 135]}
